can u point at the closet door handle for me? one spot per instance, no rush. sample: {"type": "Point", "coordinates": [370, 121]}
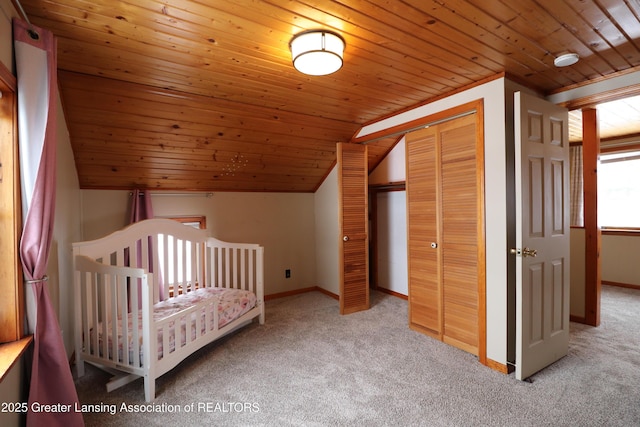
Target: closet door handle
{"type": "Point", "coordinates": [345, 238]}
{"type": "Point", "coordinates": [524, 252]}
{"type": "Point", "coordinates": [434, 245]}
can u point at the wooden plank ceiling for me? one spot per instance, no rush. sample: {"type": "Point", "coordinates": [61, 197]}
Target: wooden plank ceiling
{"type": "Point", "coordinates": [201, 95]}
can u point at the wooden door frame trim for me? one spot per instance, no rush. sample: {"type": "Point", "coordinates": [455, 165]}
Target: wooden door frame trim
{"type": "Point", "coordinates": [593, 235]}
{"type": "Point", "coordinates": [481, 234]}
{"type": "Point", "coordinates": [12, 286]}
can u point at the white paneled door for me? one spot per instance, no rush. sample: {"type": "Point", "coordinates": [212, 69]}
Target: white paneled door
{"type": "Point", "coordinates": [542, 234]}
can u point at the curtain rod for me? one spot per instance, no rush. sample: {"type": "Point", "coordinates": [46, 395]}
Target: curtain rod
{"type": "Point", "coordinates": [24, 15]}
{"type": "Point", "coordinates": [420, 126]}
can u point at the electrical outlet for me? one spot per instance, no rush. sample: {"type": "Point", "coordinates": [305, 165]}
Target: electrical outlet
{"type": "Point", "coordinates": [287, 273]}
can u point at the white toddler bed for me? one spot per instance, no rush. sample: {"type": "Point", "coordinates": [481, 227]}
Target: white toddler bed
{"type": "Point", "coordinates": [151, 294]}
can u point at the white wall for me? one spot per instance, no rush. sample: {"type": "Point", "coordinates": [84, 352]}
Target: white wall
{"type": "Point", "coordinates": [496, 198]}
{"type": "Point", "coordinates": [66, 230]}
{"type": "Point", "coordinates": [282, 222]}
{"type": "Point", "coordinates": [391, 260]}
{"type": "Point", "coordinates": [327, 228]}
{"type": "Point", "coordinates": [577, 265]}
{"type": "Point", "coordinates": [620, 259]}
{"type": "Point", "coordinates": [392, 168]}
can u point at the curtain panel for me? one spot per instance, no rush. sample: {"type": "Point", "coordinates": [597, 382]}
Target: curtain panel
{"type": "Point", "coordinates": [141, 209]}
{"type": "Point", "coordinates": [51, 381]}
{"type": "Point", "coordinates": [576, 190]}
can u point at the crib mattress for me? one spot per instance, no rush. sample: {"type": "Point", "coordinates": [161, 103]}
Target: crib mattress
{"type": "Point", "coordinates": [232, 304]}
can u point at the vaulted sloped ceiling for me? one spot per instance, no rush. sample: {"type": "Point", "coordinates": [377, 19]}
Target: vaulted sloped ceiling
{"type": "Point", "coordinates": [201, 95]}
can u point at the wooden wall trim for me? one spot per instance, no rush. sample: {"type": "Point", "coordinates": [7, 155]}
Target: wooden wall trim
{"type": "Point", "coordinates": [591, 149]}
{"type": "Point", "coordinates": [481, 235]}
{"type": "Point", "coordinates": [437, 117]}
{"type": "Point", "coordinates": [8, 80]}
{"type": "Point", "coordinates": [577, 319]}
{"type": "Point", "coordinates": [392, 293]}
{"type": "Point", "coordinates": [621, 285]}
{"type": "Point", "coordinates": [11, 280]}
{"type": "Point", "coordinates": [500, 367]}
{"type": "Point", "coordinates": [427, 102]}
{"type": "Point", "coordinates": [300, 291]}
{"type": "Point", "coordinates": [598, 96]}
{"type": "Point", "coordinates": [620, 232]}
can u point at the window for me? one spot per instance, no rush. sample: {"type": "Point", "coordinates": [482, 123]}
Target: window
{"type": "Point", "coordinates": [10, 218]}
{"type": "Point", "coordinates": [177, 275]}
{"type": "Point", "coordinates": [12, 345]}
{"type": "Point", "coordinates": [193, 221]}
{"type": "Point", "coordinates": [619, 190]}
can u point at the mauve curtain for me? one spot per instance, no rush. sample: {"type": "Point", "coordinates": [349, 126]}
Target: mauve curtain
{"type": "Point", "coordinates": [51, 380]}
{"type": "Point", "coordinates": [140, 206]}
{"type": "Point", "coordinates": [141, 209]}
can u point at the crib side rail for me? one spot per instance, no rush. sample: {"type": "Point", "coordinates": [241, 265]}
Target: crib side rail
{"type": "Point", "coordinates": [235, 266]}
{"type": "Point", "coordinates": [111, 324]}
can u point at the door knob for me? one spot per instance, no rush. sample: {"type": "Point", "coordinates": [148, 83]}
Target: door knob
{"type": "Point", "coordinates": [345, 238]}
{"type": "Point", "coordinates": [524, 252]}
{"type": "Point", "coordinates": [434, 245]}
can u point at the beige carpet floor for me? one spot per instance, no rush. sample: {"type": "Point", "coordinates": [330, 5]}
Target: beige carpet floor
{"type": "Point", "coordinates": [309, 366]}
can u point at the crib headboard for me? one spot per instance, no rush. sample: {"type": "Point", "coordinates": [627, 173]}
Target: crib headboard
{"type": "Point", "coordinates": [180, 257]}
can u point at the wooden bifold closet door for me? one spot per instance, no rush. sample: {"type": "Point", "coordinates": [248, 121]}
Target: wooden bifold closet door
{"type": "Point", "coordinates": [354, 245]}
{"type": "Point", "coordinates": [442, 232]}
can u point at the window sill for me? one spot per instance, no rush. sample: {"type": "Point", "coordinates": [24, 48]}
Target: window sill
{"type": "Point", "coordinates": [621, 232]}
{"type": "Point", "coordinates": [10, 352]}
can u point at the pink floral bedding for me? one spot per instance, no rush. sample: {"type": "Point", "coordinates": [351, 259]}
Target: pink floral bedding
{"type": "Point", "coordinates": [233, 303]}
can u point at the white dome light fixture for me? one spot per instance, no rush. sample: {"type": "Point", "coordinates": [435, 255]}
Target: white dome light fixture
{"type": "Point", "coordinates": [317, 52]}
{"type": "Point", "coordinates": [566, 60]}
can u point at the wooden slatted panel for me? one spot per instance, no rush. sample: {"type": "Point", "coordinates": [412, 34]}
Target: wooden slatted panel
{"type": "Point", "coordinates": [354, 259]}
{"type": "Point", "coordinates": [459, 233]}
{"type": "Point", "coordinates": [443, 193]}
{"type": "Point", "coordinates": [422, 223]}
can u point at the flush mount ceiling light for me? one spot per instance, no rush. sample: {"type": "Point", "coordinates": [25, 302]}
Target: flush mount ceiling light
{"type": "Point", "coordinates": [566, 60]}
{"type": "Point", "coordinates": [317, 52]}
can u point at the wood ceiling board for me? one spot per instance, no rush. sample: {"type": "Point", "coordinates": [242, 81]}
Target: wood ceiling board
{"type": "Point", "coordinates": [198, 78]}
